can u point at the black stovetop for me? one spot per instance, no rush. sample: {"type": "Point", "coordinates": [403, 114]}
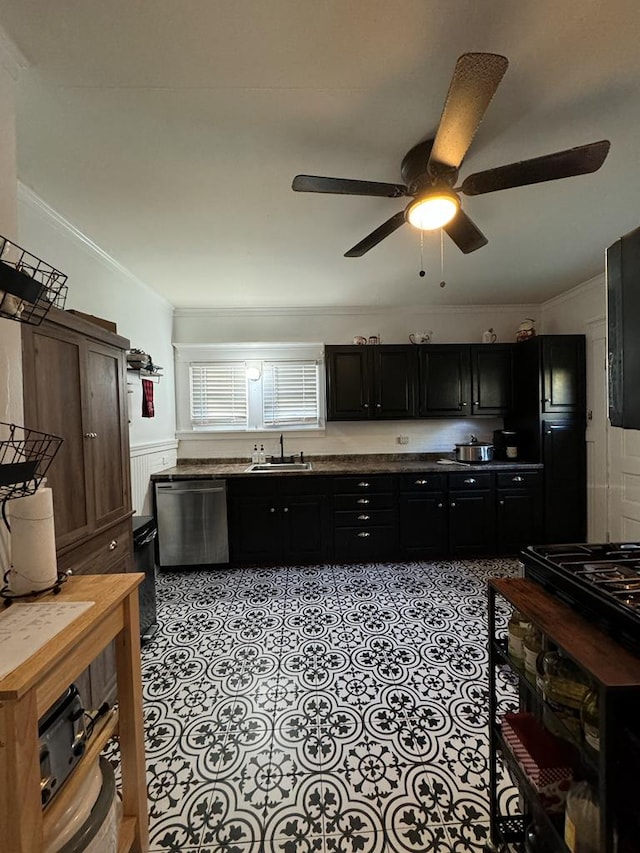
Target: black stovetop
{"type": "Point", "coordinates": [601, 580]}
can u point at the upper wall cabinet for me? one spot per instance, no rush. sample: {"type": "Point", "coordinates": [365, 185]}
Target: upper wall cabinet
{"type": "Point", "coordinates": [366, 382]}
{"type": "Point", "coordinates": [459, 380]}
{"type": "Point", "coordinates": [553, 365]}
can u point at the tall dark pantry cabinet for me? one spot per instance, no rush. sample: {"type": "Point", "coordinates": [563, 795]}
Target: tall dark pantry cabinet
{"type": "Point", "coordinates": [549, 415]}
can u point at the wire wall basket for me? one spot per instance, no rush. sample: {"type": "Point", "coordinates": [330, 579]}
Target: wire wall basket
{"type": "Point", "coordinates": [25, 456]}
{"type": "Point", "coordinates": [28, 285]}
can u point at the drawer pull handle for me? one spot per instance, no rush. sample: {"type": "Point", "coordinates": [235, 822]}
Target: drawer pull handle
{"type": "Point", "coordinates": [470, 481]}
{"type": "Point", "coordinates": [363, 484]}
{"type": "Point", "coordinates": [363, 534]}
{"type": "Point", "coordinates": [453, 503]}
{"type": "Point", "coordinates": [364, 517]}
{"type": "Point", "coordinates": [113, 544]}
{"type": "Point", "coordinates": [286, 509]}
{"type": "Point", "coordinates": [440, 506]}
{"type": "Point", "coordinates": [518, 479]}
{"type": "Point", "coordinates": [421, 482]}
{"type": "Point", "coordinates": [378, 405]}
{"type": "Point", "coordinates": [272, 509]}
{"type": "Point", "coordinates": [501, 503]}
{"type": "Point", "coordinates": [363, 500]}
{"type": "Point", "coordinates": [365, 405]}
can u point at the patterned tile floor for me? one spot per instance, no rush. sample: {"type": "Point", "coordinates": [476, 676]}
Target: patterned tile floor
{"type": "Point", "coordinates": [326, 708]}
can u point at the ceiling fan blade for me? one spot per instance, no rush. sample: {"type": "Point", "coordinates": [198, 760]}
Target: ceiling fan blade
{"type": "Point", "coordinates": [376, 236]}
{"type": "Point", "coordinates": [475, 80]}
{"type": "Point", "coordinates": [345, 186]}
{"type": "Point", "coordinates": [551, 167]}
{"type": "Point", "coordinates": [465, 233]}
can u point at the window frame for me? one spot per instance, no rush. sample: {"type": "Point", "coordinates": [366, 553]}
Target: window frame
{"type": "Point", "coordinates": [253, 354]}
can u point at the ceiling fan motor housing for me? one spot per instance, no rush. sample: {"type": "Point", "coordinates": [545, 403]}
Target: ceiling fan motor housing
{"type": "Point", "coordinates": [416, 175]}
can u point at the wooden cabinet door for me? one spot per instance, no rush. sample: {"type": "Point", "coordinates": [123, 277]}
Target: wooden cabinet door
{"type": "Point", "coordinates": [304, 520]}
{"type": "Point", "coordinates": [423, 524]}
{"type": "Point", "coordinates": [563, 374]}
{"type": "Point", "coordinates": [518, 519]}
{"type": "Point", "coordinates": [106, 425]}
{"type": "Point", "coordinates": [255, 534]}
{"type": "Point", "coordinates": [444, 381]}
{"type": "Point", "coordinates": [564, 457]}
{"type": "Point", "coordinates": [53, 366]}
{"type": "Point", "coordinates": [348, 383]}
{"type": "Point", "coordinates": [471, 522]}
{"type": "Point", "coordinates": [491, 379]}
{"type": "Point", "coordinates": [394, 378]}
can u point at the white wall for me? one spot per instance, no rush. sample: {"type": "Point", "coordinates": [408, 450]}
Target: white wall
{"type": "Point", "coordinates": [446, 325]}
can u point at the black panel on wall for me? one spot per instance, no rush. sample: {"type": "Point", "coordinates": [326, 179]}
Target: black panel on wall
{"type": "Point", "coordinates": [623, 304]}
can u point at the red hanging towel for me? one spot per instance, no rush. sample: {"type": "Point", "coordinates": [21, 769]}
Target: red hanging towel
{"type": "Point", "coordinates": [147, 399]}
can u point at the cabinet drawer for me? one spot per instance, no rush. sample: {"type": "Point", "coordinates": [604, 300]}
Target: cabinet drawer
{"type": "Point", "coordinates": [422, 482]}
{"type": "Point", "coordinates": [258, 484]}
{"type": "Point", "coordinates": [101, 553]}
{"type": "Point", "coordinates": [362, 483]}
{"type": "Point", "coordinates": [372, 543]}
{"type": "Point", "coordinates": [519, 479]}
{"type": "Point", "coordinates": [471, 479]}
{"type": "Point", "coordinates": [363, 501]}
{"type": "Point", "coordinates": [305, 484]}
{"type": "Point", "coordinates": [364, 518]}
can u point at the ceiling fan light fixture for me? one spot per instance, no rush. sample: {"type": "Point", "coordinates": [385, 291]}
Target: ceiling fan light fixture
{"type": "Point", "coordinates": [432, 210]}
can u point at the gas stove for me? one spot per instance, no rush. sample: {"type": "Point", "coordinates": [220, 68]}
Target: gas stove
{"type": "Point", "coordinates": [601, 581]}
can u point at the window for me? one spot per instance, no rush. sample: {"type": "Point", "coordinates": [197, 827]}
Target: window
{"type": "Point", "coordinates": [218, 394]}
{"type": "Point", "coordinates": [249, 387]}
{"type": "Point", "coordinates": [290, 393]}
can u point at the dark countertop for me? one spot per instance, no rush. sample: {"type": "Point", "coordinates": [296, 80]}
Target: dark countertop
{"type": "Point", "coordinates": [374, 463]}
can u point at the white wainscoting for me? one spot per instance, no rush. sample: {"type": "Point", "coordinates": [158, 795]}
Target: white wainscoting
{"type": "Point", "coordinates": [624, 485]}
{"type": "Point", "coordinates": [146, 459]}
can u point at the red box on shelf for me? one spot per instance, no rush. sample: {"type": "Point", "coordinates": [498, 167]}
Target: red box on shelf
{"type": "Point", "coordinates": [546, 760]}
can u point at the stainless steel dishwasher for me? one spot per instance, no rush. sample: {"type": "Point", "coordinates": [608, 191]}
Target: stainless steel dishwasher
{"type": "Point", "coordinates": [192, 522]}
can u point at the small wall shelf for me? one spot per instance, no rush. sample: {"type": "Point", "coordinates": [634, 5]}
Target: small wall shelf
{"type": "Point", "coordinates": [145, 373]}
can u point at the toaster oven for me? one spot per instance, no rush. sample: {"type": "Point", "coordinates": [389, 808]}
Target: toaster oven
{"type": "Point", "coordinates": [63, 738]}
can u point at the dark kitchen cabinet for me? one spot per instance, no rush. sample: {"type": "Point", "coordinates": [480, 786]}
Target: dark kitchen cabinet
{"type": "Point", "coordinates": [423, 515]}
{"type": "Point", "coordinates": [74, 376]}
{"type": "Point", "coordinates": [278, 519]}
{"type": "Point", "coordinates": [565, 487]}
{"type": "Point", "coordinates": [549, 416]}
{"type": "Point", "coordinates": [519, 510]}
{"type": "Point", "coordinates": [623, 313]}
{"type": "Point", "coordinates": [462, 380]}
{"type": "Point", "coordinates": [471, 513]}
{"type": "Point", "coordinates": [365, 518]}
{"type": "Point", "coordinates": [366, 382]}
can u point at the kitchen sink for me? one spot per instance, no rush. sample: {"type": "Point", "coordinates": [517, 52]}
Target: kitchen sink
{"type": "Point", "coordinates": [265, 467]}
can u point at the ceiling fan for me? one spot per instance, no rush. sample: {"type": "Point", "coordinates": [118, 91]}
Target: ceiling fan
{"type": "Point", "coordinates": [430, 169]}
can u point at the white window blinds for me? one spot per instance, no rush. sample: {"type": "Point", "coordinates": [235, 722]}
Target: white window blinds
{"type": "Point", "coordinates": [218, 394]}
{"type": "Point", "coordinates": [290, 393]}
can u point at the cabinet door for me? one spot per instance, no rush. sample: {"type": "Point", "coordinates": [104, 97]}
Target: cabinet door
{"type": "Point", "coordinates": [348, 383]}
{"type": "Point", "coordinates": [106, 424]}
{"type": "Point", "coordinates": [255, 534]}
{"type": "Point", "coordinates": [491, 379]}
{"type": "Point", "coordinates": [423, 524]}
{"type": "Point", "coordinates": [518, 519]}
{"type": "Point", "coordinates": [394, 378]}
{"type": "Point", "coordinates": [444, 381]}
{"type": "Point", "coordinates": [564, 457]}
{"type": "Point", "coordinates": [563, 374]}
{"type": "Point", "coordinates": [53, 361]}
{"type": "Point", "coordinates": [471, 522]}
{"type": "Point", "coordinates": [305, 528]}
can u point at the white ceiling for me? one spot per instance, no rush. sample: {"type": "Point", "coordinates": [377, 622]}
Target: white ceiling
{"type": "Point", "coordinates": [169, 131]}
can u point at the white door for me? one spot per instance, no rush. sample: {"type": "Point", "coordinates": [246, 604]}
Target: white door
{"type": "Point", "coordinates": [597, 432]}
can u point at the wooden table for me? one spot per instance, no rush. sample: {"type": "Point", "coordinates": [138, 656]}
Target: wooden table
{"type": "Point", "coordinates": [31, 689]}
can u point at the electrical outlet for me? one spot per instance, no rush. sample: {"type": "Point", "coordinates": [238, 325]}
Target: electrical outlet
{"type": "Point", "coordinates": [403, 439]}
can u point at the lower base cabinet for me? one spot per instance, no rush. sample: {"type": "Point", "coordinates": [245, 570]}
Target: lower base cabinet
{"type": "Point", "coordinates": [302, 519]}
{"type": "Point", "coordinates": [278, 519]}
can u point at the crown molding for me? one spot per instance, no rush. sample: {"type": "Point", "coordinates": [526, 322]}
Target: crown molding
{"type": "Point", "coordinates": [11, 57]}
{"type": "Point", "coordinates": [28, 197]}
{"type": "Point", "coordinates": [597, 281]}
{"type": "Point", "coordinates": [350, 310]}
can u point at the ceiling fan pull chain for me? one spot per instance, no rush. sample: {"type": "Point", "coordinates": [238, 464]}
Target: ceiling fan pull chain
{"type": "Point", "coordinates": [442, 281]}
{"type": "Point", "coordinates": [422, 272]}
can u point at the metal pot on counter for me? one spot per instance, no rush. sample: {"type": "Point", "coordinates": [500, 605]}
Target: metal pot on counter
{"type": "Point", "coordinates": [474, 451]}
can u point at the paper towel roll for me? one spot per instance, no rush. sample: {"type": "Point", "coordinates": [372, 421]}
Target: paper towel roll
{"type": "Point", "coordinates": [33, 543]}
